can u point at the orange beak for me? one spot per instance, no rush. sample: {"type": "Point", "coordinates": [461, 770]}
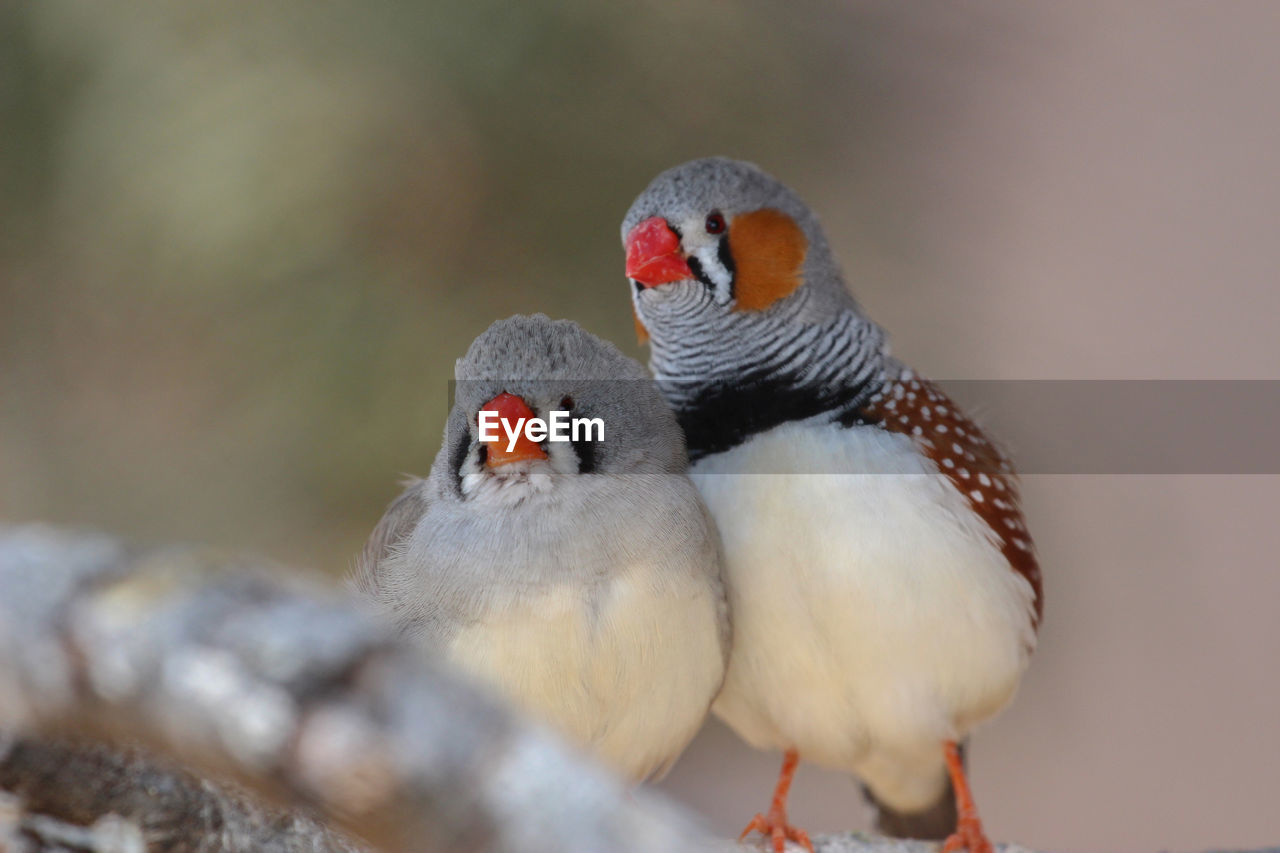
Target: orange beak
{"type": "Point", "coordinates": [513, 413]}
{"type": "Point", "coordinates": [653, 254]}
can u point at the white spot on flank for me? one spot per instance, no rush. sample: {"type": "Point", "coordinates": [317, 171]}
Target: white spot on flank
{"type": "Point", "coordinates": [1021, 543]}
{"type": "Point", "coordinates": [976, 495]}
{"type": "Point", "coordinates": [916, 430]}
{"type": "Point", "coordinates": [964, 473]}
{"type": "Point", "coordinates": [948, 463]}
{"type": "Point", "coordinates": [942, 427]}
{"type": "Point", "coordinates": [984, 479]}
{"type": "Point", "coordinates": [956, 448]}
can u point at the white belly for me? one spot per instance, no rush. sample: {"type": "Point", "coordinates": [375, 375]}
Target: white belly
{"type": "Point", "coordinates": [874, 615]}
{"type": "Point", "coordinates": [628, 674]}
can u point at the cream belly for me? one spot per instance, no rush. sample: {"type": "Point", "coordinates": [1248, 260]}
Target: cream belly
{"type": "Point", "coordinates": [628, 671]}
{"type": "Point", "coordinates": [874, 615]}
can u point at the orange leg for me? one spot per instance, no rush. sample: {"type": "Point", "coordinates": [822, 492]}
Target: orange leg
{"type": "Point", "coordinates": [775, 825]}
{"type": "Point", "coordinates": [968, 834]}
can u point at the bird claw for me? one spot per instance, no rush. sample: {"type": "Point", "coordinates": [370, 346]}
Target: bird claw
{"type": "Point", "coordinates": [968, 836]}
{"type": "Point", "coordinates": [776, 828]}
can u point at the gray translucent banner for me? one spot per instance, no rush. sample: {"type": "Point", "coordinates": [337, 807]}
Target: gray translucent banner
{"type": "Point", "coordinates": [1104, 426]}
{"type": "Point", "coordinates": [1130, 426]}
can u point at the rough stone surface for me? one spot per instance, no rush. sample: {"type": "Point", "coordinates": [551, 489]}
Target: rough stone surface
{"type": "Point", "coordinates": [241, 669]}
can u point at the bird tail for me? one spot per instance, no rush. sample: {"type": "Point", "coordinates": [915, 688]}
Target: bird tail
{"type": "Point", "coordinates": [936, 822]}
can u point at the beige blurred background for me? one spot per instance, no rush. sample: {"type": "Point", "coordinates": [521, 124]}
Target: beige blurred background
{"type": "Point", "coordinates": [242, 243]}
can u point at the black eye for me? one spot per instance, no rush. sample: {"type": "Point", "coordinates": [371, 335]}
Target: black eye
{"type": "Point", "coordinates": [566, 403]}
{"type": "Point", "coordinates": [715, 222]}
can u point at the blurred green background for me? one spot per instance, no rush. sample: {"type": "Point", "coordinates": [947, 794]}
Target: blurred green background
{"type": "Point", "coordinates": [242, 243]}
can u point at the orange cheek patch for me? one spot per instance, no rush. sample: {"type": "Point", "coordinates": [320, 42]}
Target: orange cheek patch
{"type": "Point", "coordinates": [768, 252]}
{"type": "Point", "coordinates": [642, 334]}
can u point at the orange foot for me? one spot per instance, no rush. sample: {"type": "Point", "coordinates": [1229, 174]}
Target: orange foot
{"type": "Point", "coordinates": [968, 834]}
{"type": "Point", "coordinates": [775, 824]}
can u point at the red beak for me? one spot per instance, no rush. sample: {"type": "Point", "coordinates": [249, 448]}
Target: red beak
{"type": "Point", "coordinates": [653, 254]}
{"type": "Point", "coordinates": [510, 409]}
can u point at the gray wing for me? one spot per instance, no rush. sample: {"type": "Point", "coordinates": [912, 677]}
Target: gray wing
{"type": "Point", "coordinates": [397, 523]}
{"type": "Point", "coordinates": [724, 617]}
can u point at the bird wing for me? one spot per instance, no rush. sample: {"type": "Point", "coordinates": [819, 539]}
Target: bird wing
{"type": "Point", "coordinates": [974, 464]}
{"type": "Point", "coordinates": [397, 523]}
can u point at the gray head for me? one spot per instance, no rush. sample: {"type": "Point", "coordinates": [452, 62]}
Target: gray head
{"type": "Point", "coordinates": [721, 237]}
{"type": "Point", "coordinates": [526, 367]}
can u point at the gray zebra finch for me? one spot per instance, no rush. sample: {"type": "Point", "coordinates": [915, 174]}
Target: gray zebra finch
{"type": "Point", "coordinates": [883, 608]}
